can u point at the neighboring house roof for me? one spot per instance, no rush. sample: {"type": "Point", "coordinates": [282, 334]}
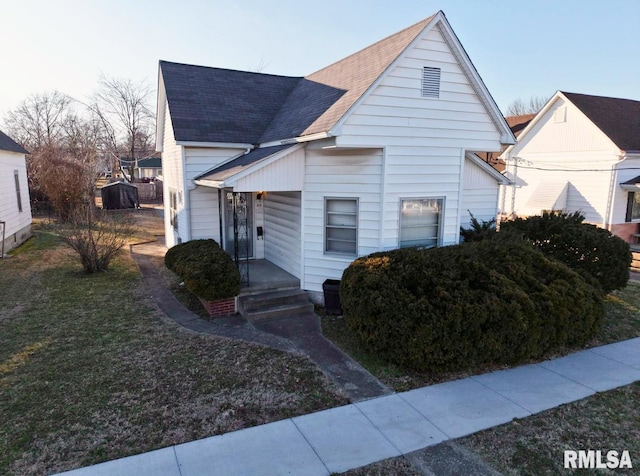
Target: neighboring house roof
{"type": "Point", "coordinates": [8, 144]}
{"type": "Point", "coordinates": [518, 123]}
{"type": "Point", "coordinates": [619, 119]}
{"type": "Point", "coordinates": [117, 184]}
{"type": "Point", "coordinates": [238, 164]}
{"type": "Point", "coordinates": [150, 163]}
{"type": "Point", "coordinates": [214, 105]}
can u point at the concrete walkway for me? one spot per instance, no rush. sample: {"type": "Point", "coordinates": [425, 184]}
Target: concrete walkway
{"type": "Point", "coordinates": [355, 435]}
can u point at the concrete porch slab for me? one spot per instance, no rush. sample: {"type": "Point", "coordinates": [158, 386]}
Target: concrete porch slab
{"type": "Point", "coordinates": [154, 463]}
{"type": "Point", "coordinates": [462, 407]}
{"type": "Point", "coordinates": [593, 370]}
{"type": "Point", "coordinates": [271, 449]}
{"type": "Point", "coordinates": [344, 438]}
{"type": "Point", "coordinates": [401, 424]}
{"type": "Point", "coordinates": [264, 276]}
{"type": "Point", "coordinates": [533, 387]}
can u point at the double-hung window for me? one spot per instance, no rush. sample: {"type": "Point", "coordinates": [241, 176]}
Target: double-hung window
{"type": "Point", "coordinates": [633, 207]}
{"type": "Point", "coordinates": [420, 222]}
{"type": "Point", "coordinates": [341, 225]}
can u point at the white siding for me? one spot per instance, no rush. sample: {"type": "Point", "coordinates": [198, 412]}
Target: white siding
{"type": "Point", "coordinates": [424, 138]}
{"type": "Point", "coordinates": [626, 170]}
{"type": "Point", "coordinates": [479, 196]}
{"type": "Point", "coordinates": [282, 230]}
{"type": "Point", "coordinates": [283, 175]}
{"type": "Point", "coordinates": [203, 201]}
{"type": "Point", "coordinates": [565, 162]}
{"type": "Point", "coordinates": [173, 179]}
{"type": "Point", "coordinates": [17, 222]}
{"type": "Point", "coordinates": [337, 174]}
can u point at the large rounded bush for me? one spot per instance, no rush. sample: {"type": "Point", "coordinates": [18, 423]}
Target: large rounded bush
{"type": "Point", "coordinates": [583, 247]}
{"type": "Point", "coordinates": [493, 301]}
{"type": "Point", "coordinates": [206, 269]}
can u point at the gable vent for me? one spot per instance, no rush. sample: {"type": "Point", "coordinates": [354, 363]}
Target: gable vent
{"type": "Point", "coordinates": [430, 82]}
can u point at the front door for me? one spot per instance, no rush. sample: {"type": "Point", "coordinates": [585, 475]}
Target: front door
{"type": "Point", "coordinates": [238, 220]}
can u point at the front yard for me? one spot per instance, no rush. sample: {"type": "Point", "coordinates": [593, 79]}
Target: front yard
{"type": "Point", "coordinates": [90, 370]}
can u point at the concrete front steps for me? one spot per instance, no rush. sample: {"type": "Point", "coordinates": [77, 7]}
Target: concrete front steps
{"type": "Point", "coordinates": [274, 304]}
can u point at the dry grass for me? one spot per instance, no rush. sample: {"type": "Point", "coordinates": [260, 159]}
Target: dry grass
{"type": "Point", "coordinates": [536, 445]}
{"type": "Point", "coordinates": [90, 370]}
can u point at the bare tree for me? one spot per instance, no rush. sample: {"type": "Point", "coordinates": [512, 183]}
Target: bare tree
{"type": "Point", "coordinates": [39, 120]}
{"type": "Point", "coordinates": [122, 106]}
{"type": "Point", "coordinates": [520, 107]}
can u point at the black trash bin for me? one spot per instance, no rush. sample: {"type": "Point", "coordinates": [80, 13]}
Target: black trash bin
{"type": "Point", "coordinates": [331, 289]}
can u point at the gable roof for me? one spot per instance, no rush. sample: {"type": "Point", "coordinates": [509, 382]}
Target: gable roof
{"type": "Point", "coordinates": [619, 119]}
{"type": "Point", "coordinates": [8, 144]}
{"type": "Point", "coordinates": [226, 106]}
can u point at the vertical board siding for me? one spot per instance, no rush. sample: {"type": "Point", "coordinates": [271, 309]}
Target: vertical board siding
{"type": "Point", "coordinates": [339, 174]}
{"type": "Point", "coordinates": [205, 221]}
{"type": "Point", "coordinates": [15, 220]}
{"type": "Point", "coordinates": [282, 230]}
{"type": "Point", "coordinates": [284, 174]}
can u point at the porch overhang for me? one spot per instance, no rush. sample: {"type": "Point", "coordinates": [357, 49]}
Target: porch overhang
{"type": "Point", "coordinates": [238, 170]}
{"type": "Point", "coordinates": [632, 185]}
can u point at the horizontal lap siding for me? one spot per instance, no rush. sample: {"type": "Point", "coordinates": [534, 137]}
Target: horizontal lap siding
{"type": "Point", "coordinates": [479, 196]}
{"type": "Point", "coordinates": [15, 220]}
{"type": "Point", "coordinates": [424, 138]}
{"type": "Point", "coordinates": [173, 179]}
{"type": "Point", "coordinates": [339, 174]}
{"type": "Point", "coordinates": [584, 155]}
{"type": "Point", "coordinates": [203, 201]}
{"type": "Point", "coordinates": [282, 230]}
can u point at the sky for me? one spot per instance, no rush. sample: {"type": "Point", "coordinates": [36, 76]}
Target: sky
{"type": "Point", "coordinates": [521, 49]}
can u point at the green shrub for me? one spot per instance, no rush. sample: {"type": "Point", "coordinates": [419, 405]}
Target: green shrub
{"type": "Point", "coordinates": [585, 248]}
{"type": "Point", "coordinates": [206, 269]}
{"type": "Point", "coordinates": [479, 229]}
{"type": "Point", "coordinates": [451, 308]}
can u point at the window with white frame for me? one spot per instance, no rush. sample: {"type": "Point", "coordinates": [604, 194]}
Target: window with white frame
{"type": "Point", "coordinates": [19, 196]}
{"type": "Point", "coordinates": [173, 209]}
{"type": "Point", "coordinates": [420, 222]}
{"type": "Point", "coordinates": [633, 207]}
{"type": "Point", "coordinates": [341, 225]}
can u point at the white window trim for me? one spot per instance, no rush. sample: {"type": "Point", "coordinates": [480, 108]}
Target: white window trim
{"type": "Point", "coordinates": [325, 225]}
{"type": "Point", "coordinates": [440, 218]}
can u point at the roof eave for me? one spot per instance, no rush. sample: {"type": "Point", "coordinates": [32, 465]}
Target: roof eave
{"type": "Point", "coordinates": [488, 169]}
{"type": "Point", "coordinates": [299, 140]}
{"type": "Point", "coordinates": [222, 145]}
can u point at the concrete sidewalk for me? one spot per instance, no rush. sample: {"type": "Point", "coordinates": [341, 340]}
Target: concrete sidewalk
{"type": "Point", "coordinates": [355, 435]}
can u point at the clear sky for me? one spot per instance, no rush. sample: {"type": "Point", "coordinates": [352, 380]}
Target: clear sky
{"type": "Point", "coordinates": [521, 49]}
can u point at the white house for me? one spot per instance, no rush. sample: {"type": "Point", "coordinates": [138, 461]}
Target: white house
{"type": "Point", "coordinates": [15, 207]}
{"type": "Point", "coordinates": [579, 153]}
{"type": "Point", "coordinates": [371, 153]}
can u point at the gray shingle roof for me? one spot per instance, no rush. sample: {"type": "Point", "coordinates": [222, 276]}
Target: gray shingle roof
{"type": "Point", "coordinates": [238, 164]}
{"type": "Point", "coordinates": [619, 119]}
{"type": "Point", "coordinates": [221, 105]}
{"type": "Point", "coordinates": [8, 144]}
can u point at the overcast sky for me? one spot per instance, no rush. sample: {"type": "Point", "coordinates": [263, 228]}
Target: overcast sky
{"type": "Point", "coordinates": [521, 49]}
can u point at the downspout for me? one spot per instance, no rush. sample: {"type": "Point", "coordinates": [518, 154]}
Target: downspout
{"type": "Point", "coordinates": [186, 202]}
{"type": "Point", "coordinates": [513, 190]}
{"type": "Point", "coordinates": [4, 227]}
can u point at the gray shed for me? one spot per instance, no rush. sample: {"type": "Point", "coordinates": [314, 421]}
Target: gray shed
{"type": "Point", "coordinates": [118, 195]}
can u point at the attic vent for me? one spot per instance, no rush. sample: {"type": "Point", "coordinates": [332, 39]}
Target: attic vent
{"type": "Point", "coordinates": [430, 82]}
{"type": "Point", "coordinates": [560, 115]}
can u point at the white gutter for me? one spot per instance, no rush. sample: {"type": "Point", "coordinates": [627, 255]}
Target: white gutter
{"type": "Point", "coordinates": [226, 145]}
{"type": "Point", "coordinates": [297, 140]}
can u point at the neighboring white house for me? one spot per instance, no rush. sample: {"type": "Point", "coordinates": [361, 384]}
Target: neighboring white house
{"type": "Point", "coordinates": [579, 153]}
{"type": "Point", "coordinates": [15, 207]}
{"type": "Point", "coordinates": [371, 153]}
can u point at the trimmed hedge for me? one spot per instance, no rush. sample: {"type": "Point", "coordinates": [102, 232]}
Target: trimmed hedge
{"type": "Point", "coordinates": [207, 270]}
{"type": "Point", "coordinates": [451, 308]}
{"type": "Point", "coordinates": [585, 248]}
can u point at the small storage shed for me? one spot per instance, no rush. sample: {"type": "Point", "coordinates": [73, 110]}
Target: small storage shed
{"type": "Point", "coordinates": [118, 195]}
